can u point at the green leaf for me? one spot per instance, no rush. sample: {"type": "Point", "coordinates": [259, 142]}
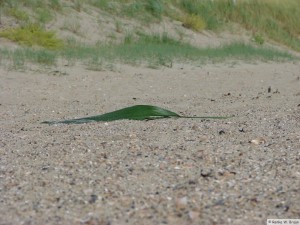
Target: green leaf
{"type": "Point", "coordinates": [137, 112]}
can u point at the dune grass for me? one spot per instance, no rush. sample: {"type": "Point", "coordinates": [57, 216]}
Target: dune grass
{"type": "Point", "coordinates": [269, 19]}
{"type": "Point", "coordinates": [277, 20]}
{"type": "Point", "coordinates": [273, 19]}
{"type": "Point", "coordinates": [143, 9]}
{"type": "Point", "coordinates": [152, 50]}
{"type": "Point", "coordinates": [33, 35]}
{"type": "Point", "coordinates": [163, 50]}
{"type": "Point", "coordinates": [194, 22]}
{"type": "Point", "coordinates": [19, 59]}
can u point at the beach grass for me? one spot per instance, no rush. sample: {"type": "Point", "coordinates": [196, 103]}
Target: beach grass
{"type": "Point", "coordinates": [272, 20]}
{"type": "Point", "coordinates": [152, 50]}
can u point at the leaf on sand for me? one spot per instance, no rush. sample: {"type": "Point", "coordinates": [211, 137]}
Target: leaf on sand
{"type": "Point", "coordinates": [137, 112]}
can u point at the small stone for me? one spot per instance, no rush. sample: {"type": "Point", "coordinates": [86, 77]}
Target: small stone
{"type": "Point", "coordinates": [206, 172]}
{"type": "Point", "coordinates": [93, 199]}
{"type": "Point", "coordinates": [242, 130]}
{"type": "Point", "coordinates": [258, 141]}
{"type": "Point", "coordinates": [45, 167]}
{"type": "Point", "coordinates": [221, 132]}
{"type": "Point", "coordinates": [195, 128]}
{"type": "Point", "coordinates": [181, 203]}
{"type": "Point", "coordinates": [193, 215]}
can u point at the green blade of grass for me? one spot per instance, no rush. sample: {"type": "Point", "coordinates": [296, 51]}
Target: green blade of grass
{"type": "Point", "coordinates": [137, 112]}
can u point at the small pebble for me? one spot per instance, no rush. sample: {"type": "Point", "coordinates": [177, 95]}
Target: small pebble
{"type": "Point", "coordinates": [221, 132]}
{"type": "Point", "coordinates": [206, 172]}
{"type": "Point", "coordinates": [258, 141]}
{"type": "Point", "coordinates": [181, 203]}
{"type": "Point", "coordinates": [193, 215]}
{"type": "Point", "coordinates": [93, 199]}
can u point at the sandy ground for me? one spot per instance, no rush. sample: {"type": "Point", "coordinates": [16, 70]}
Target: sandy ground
{"type": "Point", "coordinates": [170, 171]}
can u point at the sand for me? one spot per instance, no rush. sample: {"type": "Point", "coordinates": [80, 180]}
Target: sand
{"type": "Point", "coordinates": [242, 170]}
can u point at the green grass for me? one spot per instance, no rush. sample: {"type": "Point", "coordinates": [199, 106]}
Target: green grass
{"type": "Point", "coordinates": [102, 4]}
{"type": "Point", "coordinates": [55, 4]}
{"type": "Point", "coordinates": [73, 25]}
{"type": "Point", "coordinates": [155, 7]}
{"type": "Point", "coordinates": [42, 10]}
{"type": "Point", "coordinates": [154, 51]}
{"type": "Point", "coordinates": [162, 50]}
{"type": "Point", "coordinates": [194, 22]}
{"type": "Point", "coordinates": [20, 15]}
{"type": "Point", "coordinates": [43, 15]}
{"type": "Point", "coordinates": [33, 35]}
{"type": "Point", "coordinates": [271, 19]}
{"type": "Point", "coordinates": [78, 5]}
{"type": "Point", "coordinates": [146, 11]}
{"type": "Point", "coordinates": [277, 20]}
{"type": "Point", "coordinates": [266, 20]}
{"type": "Point", "coordinates": [19, 58]}
{"type": "Point", "coordinates": [205, 9]}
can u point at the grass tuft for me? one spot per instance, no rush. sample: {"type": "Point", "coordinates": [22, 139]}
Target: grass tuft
{"type": "Point", "coordinates": [194, 22]}
{"type": "Point", "coordinates": [20, 15]}
{"type": "Point", "coordinates": [43, 15]}
{"type": "Point", "coordinates": [155, 7]}
{"type": "Point", "coordinates": [258, 39]}
{"type": "Point", "coordinates": [205, 9]}
{"type": "Point", "coordinates": [19, 58]}
{"type": "Point", "coordinates": [55, 4]}
{"type": "Point", "coordinates": [102, 4]}
{"type": "Point", "coordinates": [33, 35]}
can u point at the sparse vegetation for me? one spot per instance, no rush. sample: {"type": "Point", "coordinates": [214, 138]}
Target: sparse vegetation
{"type": "Point", "coordinates": [33, 35]}
{"type": "Point", "coordinates": [155, 7]}
{"type": "Point", "coordinates": [194, 22]}
{"type": "Point", "coordinates": [152, 50]}
{"type": "Point", "coordinates": [258, 39]}
{"type": "Point", "coordinates": [55, 4]}
{"type": "Point", "coordinates": [43, 15]}
{"type": "Point", "coordinates": [78, 4]}
{"type": "Point", "coordinates": [119, 28]}
{"type": "Point", "coordinates": [19, 58]}
{"type": "Point", "coordinates": [205, 10]}
{"type": "Point", "coordinates": [267, 20]}
{"type": "Point", "coordinates": [104, 4]}
{"type": "Point", "coordinates": [73, 25]}
{"type": "Point", "coordinates": [277, 20]}
{"type": "Point", "coordinates": [20, 15]}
